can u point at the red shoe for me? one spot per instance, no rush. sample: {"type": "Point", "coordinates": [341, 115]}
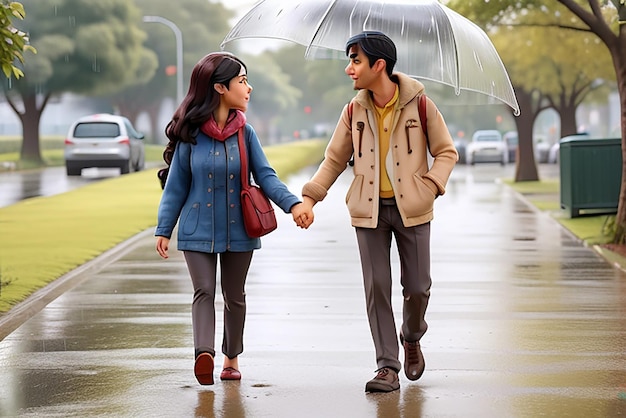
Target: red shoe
{"type": "Point", "coordinates": [204, 369]}
{"type": "Point", "coordinates": [230, 373]}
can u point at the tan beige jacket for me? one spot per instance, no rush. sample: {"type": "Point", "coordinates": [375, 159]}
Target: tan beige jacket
{"type": "Point", "coordinates": [415, 185]}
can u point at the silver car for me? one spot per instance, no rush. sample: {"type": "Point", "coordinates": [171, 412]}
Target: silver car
{"type": "Point", "coordinates": [103, 140]}
{"type": "Point", "coordinates": [487, 146]}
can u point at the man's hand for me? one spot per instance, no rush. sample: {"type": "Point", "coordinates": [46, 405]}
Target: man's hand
{"type": "Point", "coordinates": [303, 213]}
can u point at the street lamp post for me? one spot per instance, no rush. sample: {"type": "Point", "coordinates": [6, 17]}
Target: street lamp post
{"type": "Point", "coordinates": [179, 52]}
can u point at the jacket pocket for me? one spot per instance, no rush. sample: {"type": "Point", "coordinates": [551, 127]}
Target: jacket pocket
{"type": "Point", "coordinates": [358, 201]}
{"type": "Point", "coordinates": [422, 200]}
{"type": "Point", "coordinates": [190, 223]}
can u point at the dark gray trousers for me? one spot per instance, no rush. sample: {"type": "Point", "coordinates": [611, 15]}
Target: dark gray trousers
{"type": "Point", "coordinates": [414, 249]}
{"type": "Point", "coordinates": [233, 271]}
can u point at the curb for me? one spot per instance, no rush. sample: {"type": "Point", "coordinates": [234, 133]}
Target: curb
{"type": "Point", "coordinates": [24, 310]}
{"type": "Point", "coordinates": [609, 256]}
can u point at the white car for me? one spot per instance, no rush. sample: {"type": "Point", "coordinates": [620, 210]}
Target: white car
{"type": "Point", "coordinates": [487, 146]}
{"type": "Point", "coordinates": [103, 140]}
{"type": "Point", "coordinates": [553, 155]}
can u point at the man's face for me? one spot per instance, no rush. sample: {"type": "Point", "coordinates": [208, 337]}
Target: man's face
{"type": "Point", "coordinates": [358, 68]}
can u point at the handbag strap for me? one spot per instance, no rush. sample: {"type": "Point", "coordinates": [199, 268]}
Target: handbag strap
{"type": "Point", "coordinates": [245, 181]}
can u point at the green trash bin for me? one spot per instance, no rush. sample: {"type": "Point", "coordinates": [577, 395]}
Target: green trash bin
{"type": "Point", "coordinates": [591, 175]}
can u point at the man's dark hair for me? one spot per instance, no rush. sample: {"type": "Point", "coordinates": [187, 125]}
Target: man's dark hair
{"type": "Point", "coordinates": [375, 45]}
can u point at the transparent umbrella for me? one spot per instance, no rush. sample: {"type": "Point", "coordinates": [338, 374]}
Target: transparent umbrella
{"type": "Point", "coordinates": [434, 42]}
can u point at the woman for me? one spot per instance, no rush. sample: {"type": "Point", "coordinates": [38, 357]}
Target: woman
{"type": "Point", "coordinates": [202, 194]}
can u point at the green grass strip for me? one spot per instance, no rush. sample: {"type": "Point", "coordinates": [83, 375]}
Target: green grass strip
{"type": "Point", "coordinates": [44, 238]}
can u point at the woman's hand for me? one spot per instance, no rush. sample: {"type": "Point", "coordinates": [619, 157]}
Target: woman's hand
{"type": "Point", "coordinates": [162, 245]}
{"type": "Point", "coordinates": [303, 214]}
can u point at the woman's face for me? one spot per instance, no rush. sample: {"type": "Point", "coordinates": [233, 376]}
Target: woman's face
{"type": "Point", "coordinates": [237, 95]}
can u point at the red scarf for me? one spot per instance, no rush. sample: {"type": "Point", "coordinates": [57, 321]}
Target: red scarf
{"type": "Point", "coordinates": [236, 119]}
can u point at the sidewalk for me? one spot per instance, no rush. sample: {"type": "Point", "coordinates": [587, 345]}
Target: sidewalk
{"type": "Point", "coordinates": [523, 322]}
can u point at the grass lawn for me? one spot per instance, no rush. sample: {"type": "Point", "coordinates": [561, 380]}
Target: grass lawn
{"type": "Point", "coordinates": [45, 237]}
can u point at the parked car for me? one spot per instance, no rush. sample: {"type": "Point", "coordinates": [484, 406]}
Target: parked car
{"type": "Point", "coordinates": [553, 155]}
{"type": "Point", "coordinates": [512, 141]}
{"type": "Point", "coordinates": [103, 140]}
{"type": "Point", "coordinates": [461, 146]}
{"type": "Point", "coordinates": [487, 146]}
{"type": "Point", "coordinates": [542, 149]}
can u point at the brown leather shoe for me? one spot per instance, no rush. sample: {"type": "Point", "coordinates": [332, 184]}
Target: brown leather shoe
{"type": "Point", "coordinates": [386, 380]}
{"type": "Point", "coordinates": [230, 373]}
{"type": "Point", "coordinates": [204, 369]}
{"type": "Point", "coordinates": [414, 363]}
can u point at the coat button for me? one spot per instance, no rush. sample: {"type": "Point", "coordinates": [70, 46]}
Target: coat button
{"type": "Point", "coordinates": [209, 190]}
{"type": "Point", "coordinates": [232, 205]}
{"type": "Point", "coordinates": [370, 199]}
{"type": "Point", "coordinates": [217, 153]}
{"type": "Point", "coordinates": [208, 205]}
{"type": "Point", "coordinates": [232, 176]}
{"type": "Point", "coordinates": [210, 175]}
{"type": "Point", "coordinates": [231, 190]}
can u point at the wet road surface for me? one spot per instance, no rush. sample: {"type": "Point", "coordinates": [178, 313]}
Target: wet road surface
{"type": "Point", "coordinates": [19, 185]}
{"type": "Point", "coordinates": [523, 322]}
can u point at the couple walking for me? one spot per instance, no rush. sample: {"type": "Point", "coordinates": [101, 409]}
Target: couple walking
{"type": "Point", "coordinates": [392, 194]}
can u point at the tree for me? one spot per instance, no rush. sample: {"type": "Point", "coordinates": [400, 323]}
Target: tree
{"type": "Point", "coordinates": [549, 67]}
{"type": "Point", "coordinates": [324, 86]}
{"type": "Point", "coordinates": [15, 41]}
{"type": "Point", "coordinates": [273, 93]}
{"type": "Point", "coordinates": [203, 26]}
{"type": "Point", "coordinates": [85, 47]}
{"type": "Point", "coordinates": [611, 30]}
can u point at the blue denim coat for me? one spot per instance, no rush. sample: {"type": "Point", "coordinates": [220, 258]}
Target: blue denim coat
{"type": "Point", "coordinates": [202, 194]}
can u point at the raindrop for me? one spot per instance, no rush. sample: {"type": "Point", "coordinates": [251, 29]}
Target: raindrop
{"type": "Point", "coordinates": [95, 67]}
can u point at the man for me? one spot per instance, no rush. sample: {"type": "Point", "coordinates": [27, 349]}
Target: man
{"type": "Point", "coordinates": [392, 194]}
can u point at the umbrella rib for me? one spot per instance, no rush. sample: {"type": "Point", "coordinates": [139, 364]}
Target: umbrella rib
{"type": "Point", "coordinates": [319, 26]}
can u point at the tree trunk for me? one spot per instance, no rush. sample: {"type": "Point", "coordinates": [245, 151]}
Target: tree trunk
{"type": "Point", "coordinates": [567, 112]}
{"type": "Point", "coordinates": [31, 149]}
{"type": "Point", "coordinates": [619, 61]}
{"type": "Point", "coordinates": [158, 133]}
{"type": "Point", "coordinates": [525, 166]}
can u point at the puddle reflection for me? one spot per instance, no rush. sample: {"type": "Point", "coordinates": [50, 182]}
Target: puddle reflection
{"type": "Point", "coordinates": [231, 404]}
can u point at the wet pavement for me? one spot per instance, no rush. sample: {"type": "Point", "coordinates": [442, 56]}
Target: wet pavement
{"type": "Point", "coordinates": [524, 321]}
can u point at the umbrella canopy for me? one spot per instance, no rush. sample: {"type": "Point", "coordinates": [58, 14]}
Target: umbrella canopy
{"type": "Point", "coordinates": [433, 42]}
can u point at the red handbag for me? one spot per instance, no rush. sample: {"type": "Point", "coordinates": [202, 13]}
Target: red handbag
{"type": "Point", "coordinates": [258, 213]}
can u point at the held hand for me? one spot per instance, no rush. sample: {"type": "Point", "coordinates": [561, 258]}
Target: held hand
{"type": "Point", "coordinates": [162, 245]}
{"type": "Point", "coordinates": [302, 215]}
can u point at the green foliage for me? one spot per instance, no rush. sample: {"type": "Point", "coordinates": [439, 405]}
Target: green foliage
{"type": "Point", "coordinates": [85, 47]}
{"type": "Point", "coordinates": [203, 25]}
{"type": "Point", "coordinates": [15, 42]}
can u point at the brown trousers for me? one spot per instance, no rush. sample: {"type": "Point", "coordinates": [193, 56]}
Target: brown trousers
{"type": "Point", "coordinates": [233, 272]}
{"type": "Point", "coordinates": [414, 249]}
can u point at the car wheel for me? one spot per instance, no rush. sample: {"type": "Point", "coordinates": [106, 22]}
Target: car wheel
{"type": "Point", "coordinates": [73, 170]}
{"type": "Point", "coordinates": [141, 164]}
{"type": "Point", "coordinates": [125, 167]}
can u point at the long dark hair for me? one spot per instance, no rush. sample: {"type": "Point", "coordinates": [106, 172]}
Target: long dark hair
{"type": "Point", "coordinates": [201, 99]}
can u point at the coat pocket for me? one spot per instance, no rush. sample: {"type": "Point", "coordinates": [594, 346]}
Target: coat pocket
{"type": "Point", "coordinates": [190, 222]}
{"type": "Point", "coordinates": [421, 201]}
{"type": "Point", "coordinates": [359, 201]}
